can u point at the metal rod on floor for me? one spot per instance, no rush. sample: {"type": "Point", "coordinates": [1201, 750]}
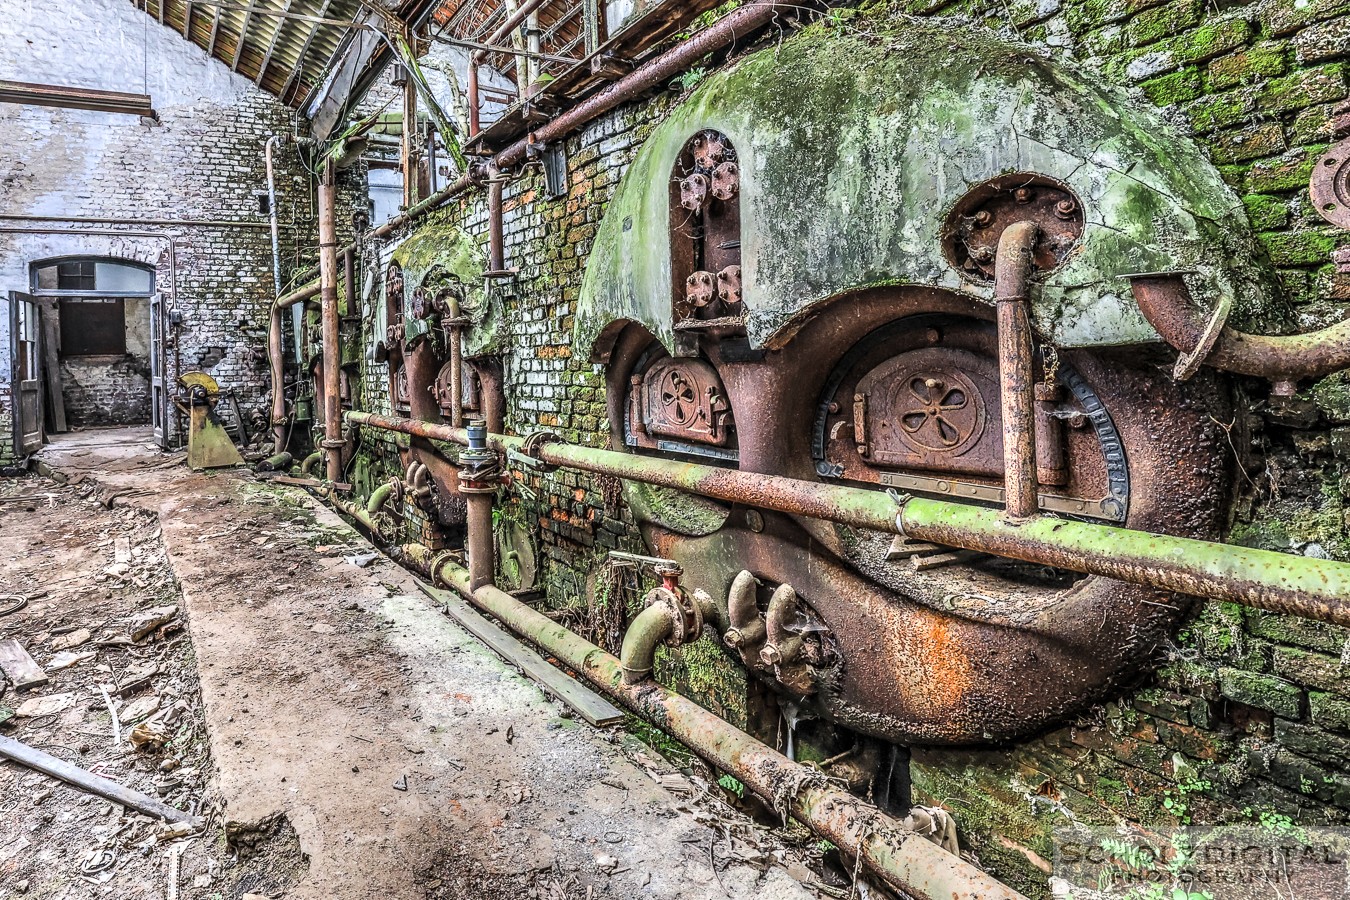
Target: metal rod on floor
{"type": "Point", "coordinates": [1279, 582]}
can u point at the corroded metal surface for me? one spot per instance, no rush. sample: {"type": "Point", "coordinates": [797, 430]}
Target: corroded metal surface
{"type": "Point", "coordinates": [977, 223]}
{"type": "Point", "coordinates": [1329, 186]}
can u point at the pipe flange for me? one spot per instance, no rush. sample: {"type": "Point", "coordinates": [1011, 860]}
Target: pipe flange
{"type": "Point", "coordinates": [333, 443]}
{"type": "Point", "coordinates": [533, 442]}
{"type": "Point", "coordinates": [1189, 363]}
{"type": "Point", "coordinates": [686, 619]}
{"type": "Point", "coordinates": [396, 490]}
{"type": "Point", "coordinates": [1329, 185]}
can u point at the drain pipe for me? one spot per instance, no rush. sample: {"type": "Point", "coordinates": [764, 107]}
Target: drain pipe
{"type": "Point", "coordinates": [1278, 582]}
{"type": "Point", "coordinates": [1012, 270]}
{"type": "Point", "coordinates": [381, 495]}
{"type": "Point", "coordinates": [332, 357]}
{"type": "Point", "coordinates": [898, 856]}
{"type": "Point", "coordinates": [275, 350]}
{"type": "Point", "coordinates": [1166, 303]}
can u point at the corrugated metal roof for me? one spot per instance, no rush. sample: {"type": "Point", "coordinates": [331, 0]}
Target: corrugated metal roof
{"type": "Point", "coordinates": [283, 46]}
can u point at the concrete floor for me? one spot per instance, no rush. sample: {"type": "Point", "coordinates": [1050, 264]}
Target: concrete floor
{"type": "Point", "coordinates": [324, 684]}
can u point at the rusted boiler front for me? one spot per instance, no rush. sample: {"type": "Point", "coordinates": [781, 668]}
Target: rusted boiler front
{"type": "Point", "coordinates": [801, 275]}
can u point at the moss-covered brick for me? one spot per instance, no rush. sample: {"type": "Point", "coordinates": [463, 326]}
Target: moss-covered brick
{"type": "Point", "coordinates": [1308, 740]}
{"type": "Point", "coordinates": [1219, 111]}
{"type": "Point", "coordinates": [1265, 212]}
{"type": "Point", "coordinates": [1286, 16]}
{"type": "Point", "coordinates": [1314, 670]}
{"type": "Point", "coordinates": [1178, 87]}
{"type": "Point", "coordinates": [1083, 15]}
{"type": "Point", "coordinates": [1262, 691]}
{"type": "Point", "coordinates": [1241, 144]}
{"type": "Point", "coordinates": [1303, 88]}
{"type": "Point", "coordinates": [1264, 60]}
{"type": "Point", "coordinates": [1299, 248]}
{"type": "Point", "coordinates": [1286, 173]}
{"type": "Point", "coordinates": [1164, 704]}
{"type": "Point", "coordinates": [1329, 711]}
{"type": "Point", "coordinates": [1195, 46]}
{"type": "Point", "coordinates": [1309, 778]}
{"type": "Point", "coordinates": [1163, 21]}
{"type": "Point", "coordinates": [1295, 630]}
{"type": "Point", "coordinates": [1327, 40]}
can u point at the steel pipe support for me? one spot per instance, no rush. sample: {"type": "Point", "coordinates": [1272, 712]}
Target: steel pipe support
{"type": "Point", "coordinates": [1279, 582]}
{"type": "Point", "coordinates": [1017, 385]}
{"type": "Point", "coordinates": [1166, 303]}
{"type": "Point", "coordinates": [896, 855]}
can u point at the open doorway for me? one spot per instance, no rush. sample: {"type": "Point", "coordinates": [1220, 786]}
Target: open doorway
{"type": "Point", "coordinates": [100, 360]}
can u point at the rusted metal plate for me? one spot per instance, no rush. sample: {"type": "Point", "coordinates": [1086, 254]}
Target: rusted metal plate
{"type": "Point", "coordinates": [971, 233]}
{"type": "Point", "coordinates": [684, 399]}
{"type": "Point", "coordinates": [706, 232]}
{"type": "Point", "coordinates": [1329, 185]}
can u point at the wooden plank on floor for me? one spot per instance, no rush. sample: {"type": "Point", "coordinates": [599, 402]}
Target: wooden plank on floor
{"type": "Point", "coordinates": [87, 781]}
{"type": "Point", "coordinates": [586, 702]}
{"type": "Point", "coordinates": [19, 667]}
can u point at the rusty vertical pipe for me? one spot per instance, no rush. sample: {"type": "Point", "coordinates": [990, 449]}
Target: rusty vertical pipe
{"type": "Point", "coordinates": [276, 362]}
{"type": "Point", "coordinates": [475, 102]}
{"type": "Point", "coordinates": [405, 154]}
{"type": "Point", "coordinates": [454, 326]}
{"type": "Point", "coordinates": [349, 281]}
{"type": "Point", "coordinates": [1017, 383]}
{"type": "Point", "coordinates": [332, 356]}
{"type": "Point", "coordinates": [479, 477]}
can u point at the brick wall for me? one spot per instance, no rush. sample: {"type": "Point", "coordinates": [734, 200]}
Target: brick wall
{"type": "Point", "coordinates": [201, 163]}
{"type": "Point", "coordinates": [1249, 713]}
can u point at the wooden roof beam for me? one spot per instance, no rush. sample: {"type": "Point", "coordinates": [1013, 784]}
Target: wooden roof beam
{"type": "Point", "coordinates": [272, 45]}
{"type": "Point", "coordinates": [285, 91]}
{"type": "Point", "coordinates": [243, 31]}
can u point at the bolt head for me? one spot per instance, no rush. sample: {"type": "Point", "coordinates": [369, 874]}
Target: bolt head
{"type": "Point", "coordinates": [983, 217]}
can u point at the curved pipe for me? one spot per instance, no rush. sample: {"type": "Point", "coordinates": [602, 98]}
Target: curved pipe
{"type": "Point", "coordinates": [310, 462]}
{"type": "Point", "coordinates": [1166, 303]}
{"type": "Point", "coordinates": [747, 625]}
{"type": "Point", "coordinates": [1012, 269]}
{"type": "Point", "coordinates": [379, 497]}
{"type": "Point", "coordinates": [783, 646]}
{"type": "Point", "coordinates": [653, 626]}
{"type": "Point", "coordinates": [914, 865]}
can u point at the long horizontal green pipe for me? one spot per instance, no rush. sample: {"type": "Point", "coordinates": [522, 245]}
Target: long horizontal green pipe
{"type": "Point", "coordinates": [903, 859]}
{"type": "Point", "coordinates": [1279, 582]}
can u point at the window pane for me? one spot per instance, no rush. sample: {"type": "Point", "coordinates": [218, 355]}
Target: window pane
{"type": "Point", "coordinates": [46, 278]}
{"type": "Point", "coordinates": [77, 275]}
{"type": "Point", "coordinates": [117, 278]}
{"type": "Point", "coordinates": [93, 327]}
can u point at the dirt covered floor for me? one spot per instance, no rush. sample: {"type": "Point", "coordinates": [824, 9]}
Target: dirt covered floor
{"type": "Point", "coordinates": [340, 736]}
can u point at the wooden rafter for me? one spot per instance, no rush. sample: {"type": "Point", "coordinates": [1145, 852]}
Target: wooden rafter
{"type": "Point", "coordinates": [243, 31]}
{"type": "Point", "coordinates": [272, 44]}
{"type": "Point", "coordinates": [187, 19]}
{"type": "Point", "coordinates": [285, 91]}
{"type": "Point", "coordinates": [215, 31]}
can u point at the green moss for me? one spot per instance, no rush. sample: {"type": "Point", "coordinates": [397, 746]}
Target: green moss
{"type": "Point", "coordinates": [1299, 248]}
{"type": "Point", "coordinates": [1261, 61]}
{"type": "Point", "coordinates": [1156, 24]}
{"type": "Point", "coordinates": [1265, 212]}
{"type": "Point", "coordinates": [1177, 87]}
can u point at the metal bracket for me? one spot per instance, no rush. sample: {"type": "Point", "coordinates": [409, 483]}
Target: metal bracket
{"type": "Point", "coordinates": [1189, 363]}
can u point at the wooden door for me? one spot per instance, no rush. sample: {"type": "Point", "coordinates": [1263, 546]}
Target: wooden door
{"type": "Point", "coordinates": [26, 381]}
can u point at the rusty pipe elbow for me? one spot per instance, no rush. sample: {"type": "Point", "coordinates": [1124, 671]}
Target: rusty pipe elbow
{"type": "Point", "coordinates": [653, 626]}
{"type": "Point", "coordinates": [1166, 303]}
{"type": "Point", "coordinates": [380, 496]}
{"type": "Point", "coordinates": [1012, 263]}
{"type": "Point", "coordinates": [783, 645]}
{"type": "Point", "coordinates": [747, 625]}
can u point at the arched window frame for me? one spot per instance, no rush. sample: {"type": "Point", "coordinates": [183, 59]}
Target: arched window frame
{"type": "Point", "coordinates": [38, 290]}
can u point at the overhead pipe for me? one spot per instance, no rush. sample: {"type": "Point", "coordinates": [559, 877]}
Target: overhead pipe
{"type": "Point", "coordinates": [1278, 582]}
{"type": "Point", "coordinates": [897, 855]}
{"type": "Point", "coordinates": [1166, 303]}
{"type": "Point", "coordinates": [1017, 383]}
{"type": "Point", "coordinates": [332, 356]}
{"type": "Point", "coordinates": [737, 24]}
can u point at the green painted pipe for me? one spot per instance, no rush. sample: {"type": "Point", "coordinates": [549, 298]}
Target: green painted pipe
{"type": "Point", "coordinates": [309, 462]}
{"type": "Point", "coordinates": [898, 856]}
{"type": "Point", "coordinates": [1280, 582]}
{"type": "Point", "coordinates": [379, 497]}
